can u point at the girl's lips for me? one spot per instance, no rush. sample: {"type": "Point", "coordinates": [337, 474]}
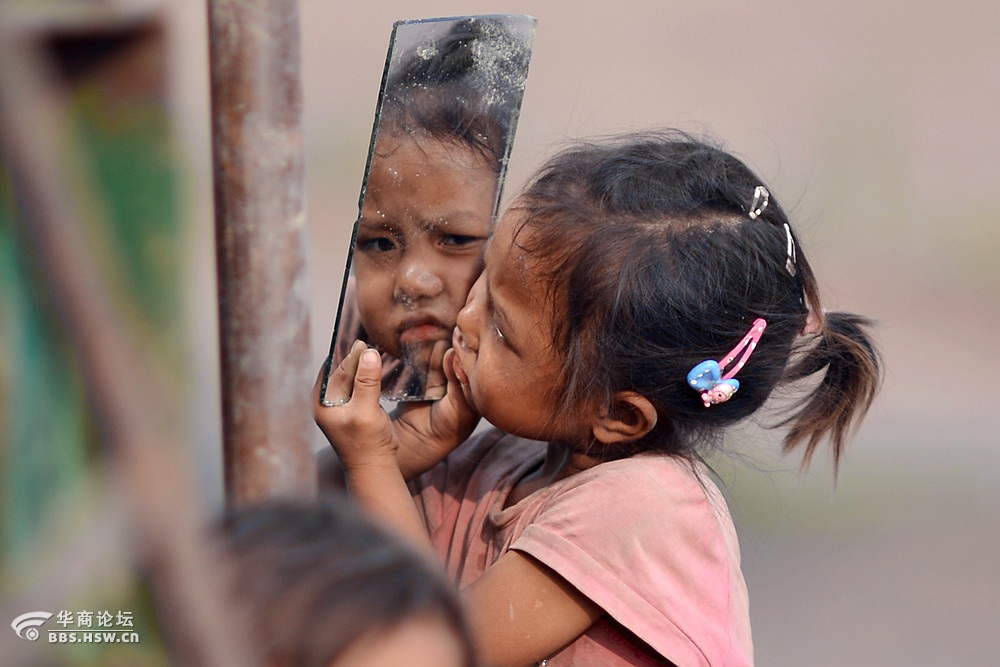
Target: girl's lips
{"type": "Point", "coordinates": [460, 373]}
{"type": "Point", "coordinates": [420, 333]}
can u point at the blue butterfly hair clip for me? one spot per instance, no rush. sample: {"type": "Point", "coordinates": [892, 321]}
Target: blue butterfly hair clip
{"type": "Point", "coordinates": [707, 377]}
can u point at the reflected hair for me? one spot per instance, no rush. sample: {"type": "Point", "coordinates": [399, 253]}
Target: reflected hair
{"type": "Point", "coordinates": [653, 263]}
{"type": "Point", "coordinates": [463, 91]}
{"type": "Point", "coordinates": [314, 578]}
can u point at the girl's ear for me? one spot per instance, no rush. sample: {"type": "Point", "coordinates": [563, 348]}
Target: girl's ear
{"type": "Point", "coordinates": [631, 416]}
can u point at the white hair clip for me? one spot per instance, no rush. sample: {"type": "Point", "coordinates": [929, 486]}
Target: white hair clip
{"type": "Point", "coordinates": [760, 199]}
{"type": "Point", "coordinates": [790, 262]}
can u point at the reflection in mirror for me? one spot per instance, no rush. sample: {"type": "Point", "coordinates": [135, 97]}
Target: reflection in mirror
{"type": "Point", "coordinates": [444, 126]}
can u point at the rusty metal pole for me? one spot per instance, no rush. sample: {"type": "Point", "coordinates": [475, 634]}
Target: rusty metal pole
{"type": "Point", "coordinates": [260, 243]}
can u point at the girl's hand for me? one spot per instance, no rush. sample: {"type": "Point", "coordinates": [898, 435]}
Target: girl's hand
{"type": "Point", "coordinates": [356, 425]}
{"type": "Point", "coordinates": [428, 431]}
{"type": "Point", "coordinates": [422, 433]}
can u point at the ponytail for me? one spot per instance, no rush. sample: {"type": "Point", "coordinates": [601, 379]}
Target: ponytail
{"type": "Point", "coordinates": [853, 373]}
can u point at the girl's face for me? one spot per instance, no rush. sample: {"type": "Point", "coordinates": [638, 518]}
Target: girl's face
{"type": "Point", "coordinates": [425, 220]}
{"type": "Point", "coordinates": [503, 343]}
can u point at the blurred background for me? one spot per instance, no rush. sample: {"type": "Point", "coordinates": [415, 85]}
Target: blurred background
{"type": "Point", "coordinates": [875, 123]}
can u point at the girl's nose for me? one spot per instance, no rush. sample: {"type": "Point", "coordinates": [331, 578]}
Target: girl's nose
{"type": "Point", "coordinates": [468, 320]}
{"type": "Point", "coordinates": [415, 281]}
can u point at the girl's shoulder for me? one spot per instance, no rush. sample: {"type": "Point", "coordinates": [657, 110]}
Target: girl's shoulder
{"type": "Point", "coordinates": [644, 492]}
{"type": "Point", "coordinates": [649, 475]}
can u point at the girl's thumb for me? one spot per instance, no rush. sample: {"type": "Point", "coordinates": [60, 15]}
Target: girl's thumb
{"type": "Point", "coordinates": [368, 379]}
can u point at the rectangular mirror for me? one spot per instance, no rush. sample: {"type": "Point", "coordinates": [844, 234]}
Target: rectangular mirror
{"type": "Point", "coordinates": [444, 126]}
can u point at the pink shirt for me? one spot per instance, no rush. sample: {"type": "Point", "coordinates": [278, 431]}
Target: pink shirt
{"type": "Point", "coordinates": [645, 538]}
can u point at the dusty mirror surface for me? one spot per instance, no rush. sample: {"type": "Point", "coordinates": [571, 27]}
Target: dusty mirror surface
{"type": "Point", "coordinates": [444, 125]}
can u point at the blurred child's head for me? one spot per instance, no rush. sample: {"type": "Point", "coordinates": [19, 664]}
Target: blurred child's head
{"type": "Point", "coordinates": [321, 586]}
{"type": "Point", "coordinates": [644, 260]}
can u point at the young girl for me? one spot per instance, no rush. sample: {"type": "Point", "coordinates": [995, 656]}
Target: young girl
{"type": "Point", "coordinates": [638, 297]}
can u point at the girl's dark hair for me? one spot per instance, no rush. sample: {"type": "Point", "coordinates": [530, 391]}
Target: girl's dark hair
{"type": "Point", "coordinates": [654, 265]}
{"type": "Point", "coordinates": [466, 91]}
{"type": "Point", "coordinates": [313, 578]}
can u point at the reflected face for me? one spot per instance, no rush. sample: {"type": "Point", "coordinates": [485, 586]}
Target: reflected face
{"type": "Point", "coordinates": [425, 641]}
{"type": "Point", "coordinates": [505, 359]}
{"type": "Point", "coordinates": [424, 223]}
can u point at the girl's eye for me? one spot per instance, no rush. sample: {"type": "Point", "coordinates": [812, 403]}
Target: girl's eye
{"type": "Point", "coordinates": [458, 240]}
{"type": "Point", "coordinates": [496, 328]}
{"type": "Point", "coordinates": [377, 244]}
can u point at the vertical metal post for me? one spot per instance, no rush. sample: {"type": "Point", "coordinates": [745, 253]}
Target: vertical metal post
{"type": "Point", "coordinates": [260, 235]}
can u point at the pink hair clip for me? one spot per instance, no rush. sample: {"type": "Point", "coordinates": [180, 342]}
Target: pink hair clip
{"type": "Point", "coordinates": [707, 376]}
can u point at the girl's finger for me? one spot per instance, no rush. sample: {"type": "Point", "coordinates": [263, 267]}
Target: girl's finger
{"type": "Point", "coordinates": [367, 378]}
{"type": "Point", "coordinates": [448, 363]}
{"type": "Point", "coordinates": [338, 389]}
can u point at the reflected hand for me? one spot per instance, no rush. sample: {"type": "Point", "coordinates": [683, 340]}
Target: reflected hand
{"type": "Point", "coordinates": [436, 384]}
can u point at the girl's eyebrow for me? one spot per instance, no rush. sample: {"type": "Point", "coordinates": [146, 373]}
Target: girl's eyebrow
{"type": "Point", "coordinates": [370, 223]}
{"type": "Point", "coordinates": [442, 224]}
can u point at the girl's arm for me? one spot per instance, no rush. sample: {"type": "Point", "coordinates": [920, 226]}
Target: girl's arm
{"type": "Point", "coordinates": [522, 612]}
